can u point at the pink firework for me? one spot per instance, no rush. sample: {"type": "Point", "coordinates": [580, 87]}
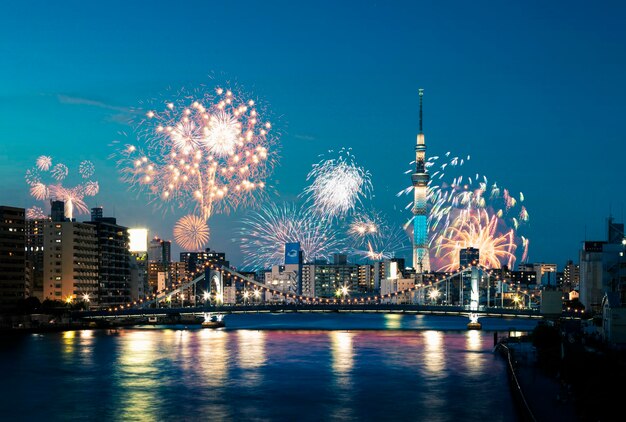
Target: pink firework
{"type": "Point", "coordinates": [45, 183]}
{"type": "Point", "coordinates": [209, 153]}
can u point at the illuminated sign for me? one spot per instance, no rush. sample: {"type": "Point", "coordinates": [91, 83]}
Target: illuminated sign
{"type": "Point", "coordinates": [292, 253]}
{"type": "Point", "coordinates": [138, 240]}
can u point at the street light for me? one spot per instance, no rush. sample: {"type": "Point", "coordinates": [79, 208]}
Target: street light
{"type": "Point", "coordinates": [86, 300]}
{"type": "Point", "coordinates": [257, 294]}
{"type": "Point", "coordinates": [246, 295]}
{"type": "Point", "coordinates": [206, 296]}
{"type": "Point", "coordinates": [433, 294]}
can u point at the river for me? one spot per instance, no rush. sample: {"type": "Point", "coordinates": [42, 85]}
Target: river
{"type": "Point", "coordinates": [315, 367]}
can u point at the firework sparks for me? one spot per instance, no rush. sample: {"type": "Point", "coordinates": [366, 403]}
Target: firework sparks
{"type": "Point", "coordinates": [454, 202]}
{"type": "Point", "coordinates": [59, 171]}
{"type": "Point", "coordinates": [35, 213]}
{"type": "Point", "coordinates": [385, 244]}
{"type": "Point", "coordinates": [364, 224]}
{"type": "Point", "coordinates": [481, 231]}
{"type": "Point", "coordinates": [265, 232]}
{"type": "Point", "coordinates": [44, 162]}
{"type": "Point", "coordinates": [191, 232]}
{"type": "Point", "coordinates": [338, 185]}
{"type": "Point", "coordinates": [73, 197]}
{"type": "Point", "coordinates": [210, 153]}
{"type": "Point", "coordinates": [86, 169]}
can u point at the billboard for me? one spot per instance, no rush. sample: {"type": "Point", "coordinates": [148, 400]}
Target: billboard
{"type": "Point", "coordinates": [292, 253]}
{"type": "Point", "coordinates": [138, 240]}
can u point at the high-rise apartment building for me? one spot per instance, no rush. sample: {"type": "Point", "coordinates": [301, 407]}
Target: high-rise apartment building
{"type": "Point", "coordinates": [34, 255]}
{"type": "Point", "coordinates": [70, 261]}
{"type": "Point", "coordinates": [13, 281]}
{"type": "Point", "coordinates": [114, 261]}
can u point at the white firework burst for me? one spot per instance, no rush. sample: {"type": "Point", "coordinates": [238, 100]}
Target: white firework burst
{"type": "Point", "coordinates": [222, 134]}
{"type": "Point", "coordinates": [338, 185]}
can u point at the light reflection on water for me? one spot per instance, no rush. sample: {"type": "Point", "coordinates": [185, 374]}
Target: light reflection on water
{"type": "Point", "coordinates": [271, 375]}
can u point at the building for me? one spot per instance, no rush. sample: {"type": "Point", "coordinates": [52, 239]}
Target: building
{"type": "Point", "coordinates": [613, 320]}
{"type": "Point", "coordinates": [419, 179]}
{"type": "Point", "coordinates": [322, 279]}
{"type": "Point", "coordinates": [571, 275]}
{"type": "Point", "coordinates": [545, 273]}
{"type": "Point", "coordinates": [13, 282]}
{"type": "Point", "coordinates": [603, 268]}
{"type": "Point", "coordinates": [138, 248]}
{"type": "Point", "coordinates": [469, 256]}
{"type": "Point", "coordinates": [524, 279]}
{"type": "Point", "coordinates": [393, 282]}
{"type": "Point", "coordinates": [34, 255]}
{"type": "Point", "coordinates": [70, 262]}
{"type": "Point", "coordinates": [160, 250]}
{"type": "Point", "coordinates": [195, 261]}
{"type": "Point", "coordinates": [57, 211]}
{"type": "Point", "coordinates": [159, 258]}
{"type": "Point", "coordinates": [114, 260]}
{"type": "Point", "coordinates": [287, 278]}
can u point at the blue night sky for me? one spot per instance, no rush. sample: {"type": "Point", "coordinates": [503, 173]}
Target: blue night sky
{"type": "Point", "coordinates": [533, 91]}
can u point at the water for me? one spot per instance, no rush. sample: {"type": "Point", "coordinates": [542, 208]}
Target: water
{"type": "Point", "coordinates": [262, 368]}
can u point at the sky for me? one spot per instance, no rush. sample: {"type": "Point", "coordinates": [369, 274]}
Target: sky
{"type": "Point", "coordinates": [532, 90]}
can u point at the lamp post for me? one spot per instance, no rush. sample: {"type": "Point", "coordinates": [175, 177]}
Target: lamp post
{"type": "Point", "coordinates": [433, 294]}
{"type": "Point", "coordinates": [257, 294]}
{"type": "Point", "coordinates": [86, 300]}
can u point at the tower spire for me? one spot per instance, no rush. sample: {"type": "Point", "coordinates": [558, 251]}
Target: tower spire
{"type": "Point", "coordinates": [419, 179]}
{"type": "Point", "coordinates": [421, 94]}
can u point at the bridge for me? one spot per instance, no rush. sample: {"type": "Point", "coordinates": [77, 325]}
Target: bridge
{"type": "Point", "coordinates": [419, 298]}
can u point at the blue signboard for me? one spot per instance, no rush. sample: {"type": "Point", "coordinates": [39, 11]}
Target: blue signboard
{"type": "Point", "coordinates": [292, 253]}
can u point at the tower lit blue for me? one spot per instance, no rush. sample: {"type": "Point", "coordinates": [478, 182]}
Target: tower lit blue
{"type": "Point", "coordinates": [420, 178]}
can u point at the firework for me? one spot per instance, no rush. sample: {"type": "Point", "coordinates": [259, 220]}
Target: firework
{"type": "Point", "coordinates": [265, 232]}
{"type": "Point", "coordinates": [454, 201]}
{"type": "Point", "coordinates": [40, 191]}
{"type": "Point", "coordinates": [206, 152]}
{"type": "Point", "coordinates": [481, 230]}
{"type": "Point", "coordinates": [86, 169]}
{"type": "Point", "coordinates": [44, 162]}
{"type": "Point", "coordinates": [337, 186]}
{"type": "Point", "coordinates": [60, 171]}
{"type": "Point", "coordinates": [72, 197]}
{"type": "Point", "coordinates": [92, 188]}
{"type": "Point", "coordinates": [365, 224]}
{"type": "Point", "coordinates": [35, 213]}
{"type": "Point", "coordinates": [191, 232]}
{"type": "Point", "coordinates": [385, 245]}
{"type": "Point", "coordinates": [45, 183]}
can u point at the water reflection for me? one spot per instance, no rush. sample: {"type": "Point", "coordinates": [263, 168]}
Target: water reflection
{"type": "Point", "coordinates": [473, 357]}
{"type": "Point", "coordinates": [393, 321]}
{"type": "Point", "coordinates": [138, 382]}
{"type": "Point", "coordinates": [434, 360]}
{"type": "Point", "coordinates": [68, 345]}
{"type": "Point", "coordinates": [251, 353]}
{"type": "Point", "coordinates": [213, 357]}
{"type": "Point", "coordinates": [342, 354]}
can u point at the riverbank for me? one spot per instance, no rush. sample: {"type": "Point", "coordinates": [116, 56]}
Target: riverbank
{"type": "Point", "coordinates": [537, 395]}
{"type": "Point", "coordinates": [559, 374]}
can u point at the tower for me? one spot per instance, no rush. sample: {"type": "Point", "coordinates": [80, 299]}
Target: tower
{"type": "Point", "coordinates": [420, 178]}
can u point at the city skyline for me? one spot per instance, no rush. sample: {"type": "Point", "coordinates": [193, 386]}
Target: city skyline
{"type": "Point", "coordinates": [527, 117]}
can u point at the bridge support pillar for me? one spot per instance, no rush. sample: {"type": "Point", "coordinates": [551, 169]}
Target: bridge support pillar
{"type": "Point", "coordinates": [474, 298]}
